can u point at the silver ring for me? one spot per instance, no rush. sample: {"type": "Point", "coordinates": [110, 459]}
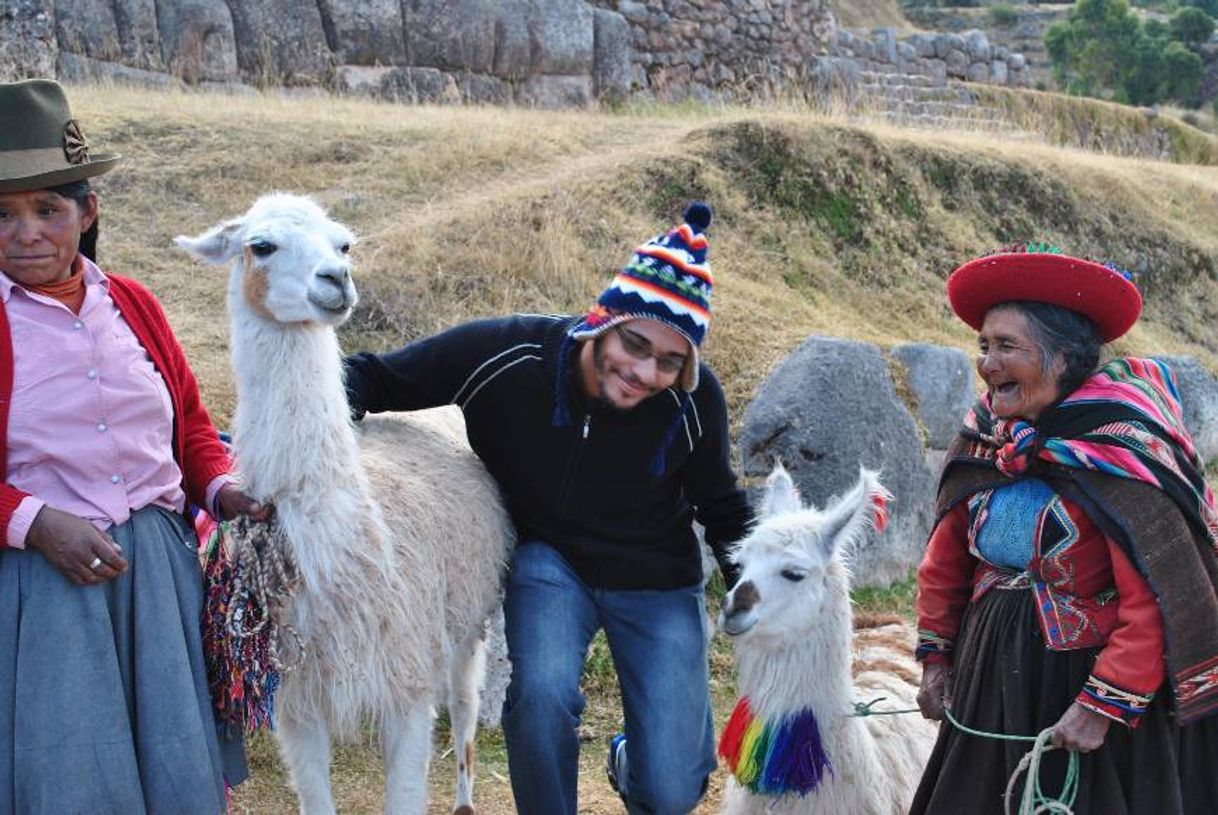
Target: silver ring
{"type": "Point", "coordinates": [97, 562]}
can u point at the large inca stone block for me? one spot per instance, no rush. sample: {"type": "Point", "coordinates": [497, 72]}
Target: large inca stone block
{"type": "Point", "coordinates": [613, 56]}
{"type": "Point", "coordinates": [88, 28]}
{"type": "Point", "coordinates": [28, 46]}
{"type": "Point", "coordinates": [455, 35]}
{"type": "Point", "coordinates": [364, 32]}
{"type": "Point", "coordinates": [281, 41]}
{"type": "Point", "coordinates": [197, 39]}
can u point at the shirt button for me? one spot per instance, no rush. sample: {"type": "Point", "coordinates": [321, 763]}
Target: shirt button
{"type": "Point", "coordinates": [114, 479]}
{"type": "Point", "coordinates": [92, 373]}
{"type": "Point", "coordinates": [101, 427]}
{"type": "Point", "coordinates": [78, 325]}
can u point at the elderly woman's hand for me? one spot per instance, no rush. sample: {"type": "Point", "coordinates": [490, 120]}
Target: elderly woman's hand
{"type": "Point", "coordinates": [935, 691]}
{"type": "Point", "coordinates": [1080, 729]}
{"type": "Point", "coordinates": [75, 547]}
{"type": "Point", "coordinates": [233, 502]}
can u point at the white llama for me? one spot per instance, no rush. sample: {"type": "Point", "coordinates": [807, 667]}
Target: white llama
{"type": "Point", "coordinates": [792, 744]}
{"type": "Point", "coordinates": [397, 531]}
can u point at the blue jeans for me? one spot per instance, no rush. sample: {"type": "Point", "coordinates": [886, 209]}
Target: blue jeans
{"type": "Point", "coordinates": [658, 643]}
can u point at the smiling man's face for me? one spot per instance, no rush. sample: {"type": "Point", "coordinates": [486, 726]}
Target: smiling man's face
{"type": "Point", "coordinates": [1009, 362]}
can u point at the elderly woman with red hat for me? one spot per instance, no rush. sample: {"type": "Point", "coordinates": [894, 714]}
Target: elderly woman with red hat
{"type": "Point", "coordinates": [104, 704]}
{"type": "Point", "coordinates": [1070, 582]}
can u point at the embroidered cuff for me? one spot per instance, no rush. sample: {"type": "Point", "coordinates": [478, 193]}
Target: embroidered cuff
{"type": "Point", "coordinates": [1115, 703]}
{"type": "Point", "coordinates": [933, 648]}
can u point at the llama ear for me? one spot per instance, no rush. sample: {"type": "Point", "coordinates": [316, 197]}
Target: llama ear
{"type": "Point", "coordinates": [864, 507]}
{"type": "Point", "coordinates": [781, 494]}
{"type": "Point", "coordinates": [217, 245]}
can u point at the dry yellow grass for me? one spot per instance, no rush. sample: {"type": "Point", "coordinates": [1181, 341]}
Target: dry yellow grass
{"type": "Point", "coordinates": [822, 227]}
{"type": "Point", "coordinates": [869, 14]}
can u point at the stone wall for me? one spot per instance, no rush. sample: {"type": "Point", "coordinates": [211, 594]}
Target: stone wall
{"type": "Point", "coordinates": [546, 52]}
{"type": "Point", "coordinates": [968, 56]}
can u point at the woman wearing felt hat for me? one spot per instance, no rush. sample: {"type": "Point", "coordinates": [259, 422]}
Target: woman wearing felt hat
{"type": "Point", "coordinates": [104, 704]}
{"type": "Point", "coordinates": [1070, 582]}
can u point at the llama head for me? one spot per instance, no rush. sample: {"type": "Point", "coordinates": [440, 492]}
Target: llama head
{"type": "Point", "coordinates": [291, 261]}
{"type": "Point", "coordinates": [791, 566]}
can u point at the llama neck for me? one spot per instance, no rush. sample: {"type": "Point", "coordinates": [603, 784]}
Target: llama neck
{"type": "Point", "coordinates": [294, 436]}
{"type": "Point", "coordinates": [811, 672]}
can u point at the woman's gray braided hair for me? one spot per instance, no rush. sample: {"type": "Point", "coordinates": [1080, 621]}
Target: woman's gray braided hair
{"type": "Point", "coordinates": [1060, 331]}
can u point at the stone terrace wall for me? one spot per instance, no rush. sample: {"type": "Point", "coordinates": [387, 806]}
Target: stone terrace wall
{"type": "Point", "coordinates": [546, 52]}
{"type": "Point", "coordinates": [968, 56]}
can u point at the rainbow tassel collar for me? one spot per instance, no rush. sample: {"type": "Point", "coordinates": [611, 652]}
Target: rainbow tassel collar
{"type": "Point", "coordinates": [774, 757]}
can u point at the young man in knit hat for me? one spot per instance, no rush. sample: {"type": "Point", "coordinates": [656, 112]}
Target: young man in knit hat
{"type": "Point", "coordinates": [608, 437]}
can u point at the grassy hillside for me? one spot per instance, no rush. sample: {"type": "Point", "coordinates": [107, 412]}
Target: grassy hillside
{"type": "Point", "coordinates": [869, 13]}
{"type": "Point", "coordinates": [822, 227]}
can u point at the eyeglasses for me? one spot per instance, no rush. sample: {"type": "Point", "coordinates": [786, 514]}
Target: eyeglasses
{"type": "Point", "coordinates": [640, 348]}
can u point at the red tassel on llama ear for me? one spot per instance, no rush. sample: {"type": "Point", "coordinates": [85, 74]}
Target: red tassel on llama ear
{"type": "Point", "coordinates": [880, 498]}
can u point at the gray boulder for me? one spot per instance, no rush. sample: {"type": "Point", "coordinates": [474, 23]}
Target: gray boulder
{"type": "Point", "coordinates": [826, 410]}
{"type": "Point", "coordinates": [281, 42]}
{"type": "Point", "coordinates": [410, 84]}
{"type": "Point", "coordinates": [999, 75]}
{"type": "Point", "coordinates": [365, 32]}
{"type": "Point", "coordinates": [978, 46]}
{"type": "Point", "coordinates": [76, 68]}
{"type": "Point", "coordinates": [197, 39]}
{"type": "Point", "coordinates": [138, 35]}
{"type": "Point", "coordinates": [561, 34]}
{"type": "Point", "coordinates": [555, 92]}
{"type": "Point", "coordinates": [1199, 398]}
{"type": "Point", "coordinates": [513, 49]}
{"type": "Point", "coordinates": [941, 380]}
{"type": "Point", "coordinates": [484, 90]}
{"type": "Point", "coordinates": [836, 79]}
{"type": "Point", "coordinates": [454, 35]}
{"type": "Point", "coordinates": [612, 56]}
{"type": "Point", "coordinates": [88, 28]}
{"type": "Point", "coordinates": [27, 39]}
{"type": "Point", "coordinates": [957, 64]}
{"type": "Point", "coordinates": [978, 72]}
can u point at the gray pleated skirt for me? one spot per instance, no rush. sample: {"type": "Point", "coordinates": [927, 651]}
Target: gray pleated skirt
{"type": "Point", "coordinates": [104, 706]}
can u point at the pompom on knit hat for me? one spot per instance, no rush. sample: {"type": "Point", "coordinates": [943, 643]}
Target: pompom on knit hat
{"type": "Point", "coordinates": [667, 280]}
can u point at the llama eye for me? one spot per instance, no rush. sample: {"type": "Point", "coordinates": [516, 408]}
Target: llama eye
{"type": "Point", "coordinates": [793, 576]}
{"type": "Point", "coordinates": [262, 248]}
{"type": "Point", "coordinates": [345, 248]}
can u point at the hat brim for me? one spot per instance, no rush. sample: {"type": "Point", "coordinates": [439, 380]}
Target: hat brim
{"type": "Point", "coordinates": [63, 175]}
{"type": "Point", "coordinates": [688, 379]}
{"type": "Point", "coordinates": [1097, 292]}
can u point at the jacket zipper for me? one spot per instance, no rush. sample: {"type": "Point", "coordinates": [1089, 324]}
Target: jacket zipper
{"type": "Point", "coordinates": [573, 463]}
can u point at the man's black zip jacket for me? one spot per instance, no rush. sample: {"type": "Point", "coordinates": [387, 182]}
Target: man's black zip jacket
{"type": "Point", "coordinates": [584, 488]}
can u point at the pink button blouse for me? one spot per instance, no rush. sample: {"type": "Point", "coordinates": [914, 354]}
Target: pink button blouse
{"type": "Point", "coordinates": [90, 423]}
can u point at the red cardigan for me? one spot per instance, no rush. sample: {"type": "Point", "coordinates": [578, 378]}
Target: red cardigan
{"type": "Point", "coordinates": [196, 447]}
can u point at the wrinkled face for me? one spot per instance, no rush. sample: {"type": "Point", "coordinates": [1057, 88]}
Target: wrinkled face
{"type": "Point", "coordinates": [1010, 364]}
{"type": "Point", "coordinates": [632, 362]}
{"type": "Point", "coordinates": [782, 585]}
{"type": "Point", "coordinates": [40, 234]}
{"type": "Point", "coordinates": [298, 272]}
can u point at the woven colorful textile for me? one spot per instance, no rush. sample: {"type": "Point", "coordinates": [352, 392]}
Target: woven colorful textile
{"type": "Point", "coordinates": [1126, 421]}
{"type": "Point", "coordinates": [241, 675]}
{"type": "Point", "coordinates": [774, 757]}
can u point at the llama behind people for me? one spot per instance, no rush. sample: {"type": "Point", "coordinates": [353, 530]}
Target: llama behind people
{"type": "Point", "coordinates": [793, 743]}
{"type": "Point", "coordinates": [398, 534]}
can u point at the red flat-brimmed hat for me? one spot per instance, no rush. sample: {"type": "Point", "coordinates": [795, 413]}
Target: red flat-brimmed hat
{"type": "Point", "coordinates": [1102, 293]}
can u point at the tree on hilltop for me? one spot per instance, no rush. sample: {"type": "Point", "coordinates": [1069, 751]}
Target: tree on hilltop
{"type": "Point", "coordinates": [1192, 26]}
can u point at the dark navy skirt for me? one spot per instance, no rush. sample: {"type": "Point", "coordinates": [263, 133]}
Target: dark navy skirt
{"type": "Point", "coordinates": [1007, 682]}
{"type": "Point", "coordinates": [104, 706]}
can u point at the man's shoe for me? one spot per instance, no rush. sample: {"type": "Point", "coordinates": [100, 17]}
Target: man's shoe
{"type": "Point", "coordinates": [617, 747]}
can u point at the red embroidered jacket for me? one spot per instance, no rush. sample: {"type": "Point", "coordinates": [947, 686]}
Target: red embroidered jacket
{"type": "Point", "coordinates": [196, 448]}
{"type": "Point", "coordinates": [1088, 594]}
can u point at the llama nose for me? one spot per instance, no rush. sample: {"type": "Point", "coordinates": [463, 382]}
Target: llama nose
{"type": "Point", "coordinates": [336, 275]}
{"type": "Point", "coordinates": [742, 599]}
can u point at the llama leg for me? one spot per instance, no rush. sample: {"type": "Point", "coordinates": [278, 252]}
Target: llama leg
{"type": "Point", "coordinates": [304, 745]}
{"type": "Point", "coordinates": [465, 674]}
{"type": "Point", "coordinates": [406, 751]}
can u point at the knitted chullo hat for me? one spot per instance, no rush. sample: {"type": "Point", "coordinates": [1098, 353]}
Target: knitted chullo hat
{"type": "Point", "coordinates": [667, 280]}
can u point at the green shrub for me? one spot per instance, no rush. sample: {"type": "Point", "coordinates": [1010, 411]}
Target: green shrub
{"type": "Point", "coordinates": [1003, 15]}
{"type": "Point", "coordinates": [1192, 26]}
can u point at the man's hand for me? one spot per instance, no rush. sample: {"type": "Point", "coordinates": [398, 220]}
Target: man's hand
{"type": "Point", "coordinates": [935, 691]}
{"type": "Point", "coordinates": [1080, 729]}
{"type": "Point", "coordinates": [233, 502]}
{"type": "Point", "coordinates": [75, 547]}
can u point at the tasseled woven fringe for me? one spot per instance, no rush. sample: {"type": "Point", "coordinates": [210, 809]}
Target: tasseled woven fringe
{"type": "Point", "coordinates": [242, 671]}
{"type": "Point", "coordinates": [774, 759]}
